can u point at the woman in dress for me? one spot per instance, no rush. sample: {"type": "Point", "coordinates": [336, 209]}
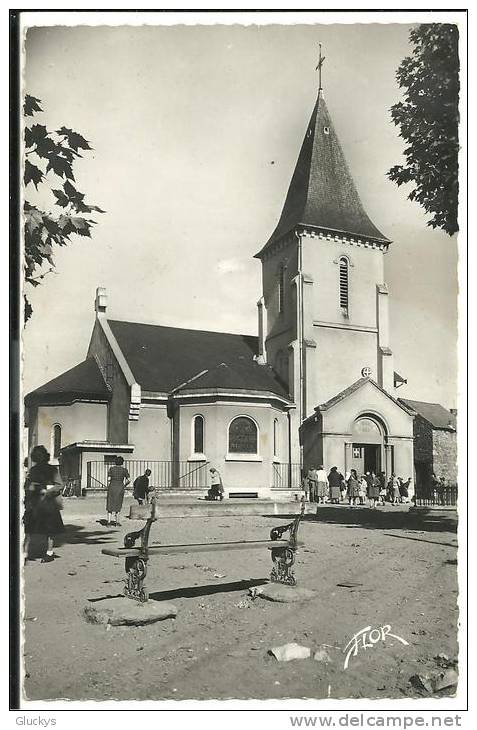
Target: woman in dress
{"type": "Point", "coordinates": [118, 479]}
{"type": "Point", "coordinates": [404, 489]}
{"type": "Point", "coordinates": [43, 487]}
{"type": "Point", "coordinates": [373, 490]}
{"type": "Point", "coordinates": [353, 488]}
{"type": "Point", "coordinates": [335, 480]}
{"type": "Point", "coordinates": [344, 486]}
{"type": "Point", "coordinates": [396, 496]}
{"type": "Point", "coordinates": [321, 485]}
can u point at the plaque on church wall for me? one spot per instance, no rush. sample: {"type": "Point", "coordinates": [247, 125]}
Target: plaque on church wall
{"type": "Point", "coordinates": [243, 436]}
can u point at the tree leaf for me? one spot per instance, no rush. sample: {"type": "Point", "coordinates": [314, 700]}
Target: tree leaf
{"type": "Point", "coordinates": [82, 226]}
{"type": "Point", "coordinates": [31, 105]}
{"type": "Point", "coordinates": [46, 147]}
{"type": "Point", "coordinates": [60, 167]}
{"type": "Point", "coordinates": [75, 140]}
{"type": "Point", "coordinates": [71, 192]}
{"type": "Point", "coordinates": [32, 174]}
{"type": "Point", "coordinates": [61, 198]}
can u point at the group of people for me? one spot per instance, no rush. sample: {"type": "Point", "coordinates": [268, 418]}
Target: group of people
{"type": "Point", "coordinates": [357, 490]}
{"type": "Point", "coordinates": [437, 488]}
{"type": "Point", "coordinates": [43, 499]}
{"type": "Point", "coordinates": [118, 480]}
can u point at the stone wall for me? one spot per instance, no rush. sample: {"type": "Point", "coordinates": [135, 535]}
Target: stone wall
{"type": "Point", "coordinates": [445, 454]}
{"type": "Point", "coordinates": [422, 440]}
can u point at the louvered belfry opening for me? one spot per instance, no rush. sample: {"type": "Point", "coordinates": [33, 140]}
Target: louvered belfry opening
{"type": "Point", "coordinates": [344, 285]}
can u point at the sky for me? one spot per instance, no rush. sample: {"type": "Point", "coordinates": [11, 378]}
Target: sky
{"type": "Point", "coordinates": [185, 122]}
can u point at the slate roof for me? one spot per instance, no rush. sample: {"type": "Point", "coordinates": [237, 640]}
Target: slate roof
{"type": "Point", "coordinates": [434, 413]}
{"type": "Point", "coordinates": [84, 381]}
{"type": "Point", "coordinates": [322, 192]}
{"type": "Point", "coordinates": [238, 375]}
{"type": "Point", "coordinates": [164, 358]}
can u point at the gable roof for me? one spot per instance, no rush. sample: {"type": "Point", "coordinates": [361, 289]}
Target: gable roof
{"type": "Point", "coordinates": [82, 382]}
{"type": "Point", "coordinates": [322, 192]}
{"type": "Point", "coordinates": [163, 359]}
{"type": "Point", "coordinates": [238, 375]}
{"type": "Point", "coordinates": [356, 386]}
{"type": "Point", "coordinates": [434, 413]}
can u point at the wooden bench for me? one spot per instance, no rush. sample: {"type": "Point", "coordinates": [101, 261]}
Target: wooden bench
{"type": "Point", "coordinates": [136, 558]}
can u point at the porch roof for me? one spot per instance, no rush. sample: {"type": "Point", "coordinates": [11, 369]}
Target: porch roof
{"type": "Point", "coordinates": [348, 391]}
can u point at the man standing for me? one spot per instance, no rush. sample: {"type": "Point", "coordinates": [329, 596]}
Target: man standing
{"type": "Point", "coordinates": [312, 477]}
{"type": "Point", "coordinates": [141, 487]}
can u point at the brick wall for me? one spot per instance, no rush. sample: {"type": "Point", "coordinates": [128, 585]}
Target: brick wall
{"type": "Point", "coordinates": [445, 454]}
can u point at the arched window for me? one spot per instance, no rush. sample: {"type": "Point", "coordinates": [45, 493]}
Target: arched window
{"type": "Point", "coordinates": [344, 284]}
{"type": "Point", "coordinates": [198, 435]}
{"type": "Point", "coordinates": [56, 440]}
{"type": "Point", "coordinates": [243, 436]}
{"type": "Point", "coordinates": [275, 437]}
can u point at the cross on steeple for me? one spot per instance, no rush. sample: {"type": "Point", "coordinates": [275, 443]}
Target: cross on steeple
{"type": "Point", "coordinates": [318, 68]}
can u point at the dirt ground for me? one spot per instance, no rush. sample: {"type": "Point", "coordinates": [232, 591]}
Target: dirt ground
{"type": "Point", "coordinates": [217, 647]}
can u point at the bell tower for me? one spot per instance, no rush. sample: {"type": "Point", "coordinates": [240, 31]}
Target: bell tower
{"type": "Point", "coordinates": [323, 316]}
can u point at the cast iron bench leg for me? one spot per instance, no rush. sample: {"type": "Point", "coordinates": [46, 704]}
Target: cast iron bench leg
{"type": "Point", "coordinates": [136, 570]}
{"type": "Point", "coordinates": [284, 557]}
{"type": "Point", "coordinates": [282, 571]}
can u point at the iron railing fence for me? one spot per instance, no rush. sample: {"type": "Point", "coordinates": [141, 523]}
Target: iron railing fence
{"type": "Point", "coordinates": [164, 474]}
{"type": "Point", "coordinates": [436, 497]}
{"type": "Point", "coordinates": [286, 476]}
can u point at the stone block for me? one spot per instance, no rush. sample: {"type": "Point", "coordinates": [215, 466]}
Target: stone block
{"type": "Point", "coordinates": [123, 611]}
{"type": "Point", "coordinates": [285, 594]}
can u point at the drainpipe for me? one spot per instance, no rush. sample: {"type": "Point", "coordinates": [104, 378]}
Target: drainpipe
{"type": "Point", "coordinates": [289, 448]}
{"type": "Point", "coordinates": [172, 412]}
{"type": "Point", "coordinates": [301, 324]}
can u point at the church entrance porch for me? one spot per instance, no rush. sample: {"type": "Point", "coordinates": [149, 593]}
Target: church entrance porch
{"type": "Point", "coordinates": [362, 428]}
{"type": "Point", "coordinates": [368, 438]}
{"type": "Point", "coordinates": [366, 457]}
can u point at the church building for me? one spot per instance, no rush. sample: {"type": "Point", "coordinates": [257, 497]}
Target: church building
{"type": "Point", "coordinates": [317, 386]}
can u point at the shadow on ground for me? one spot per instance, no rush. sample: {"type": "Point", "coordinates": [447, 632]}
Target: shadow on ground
{"type": "Point", "coordinates": [376, 519]}
{"type": "Point", "coordinates": [75, 534]}
{"type": "Point", "coordinates": [207, 590]}
{"type": "Point", "coordinates": [196, 591]}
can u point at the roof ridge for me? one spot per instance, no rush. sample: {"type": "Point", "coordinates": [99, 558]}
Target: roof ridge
{"type": "Point", "coordinates": [352, 388]}
{"type": "Point", "coordinates": [182, 329]}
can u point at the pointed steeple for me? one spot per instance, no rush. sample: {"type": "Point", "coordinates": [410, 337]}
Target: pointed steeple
{"type": "Point", "coordinates": [322, 194]}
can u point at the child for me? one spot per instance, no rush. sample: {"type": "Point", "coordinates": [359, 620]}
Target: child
{"type": "Point", "coordinates": [363, 486]}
